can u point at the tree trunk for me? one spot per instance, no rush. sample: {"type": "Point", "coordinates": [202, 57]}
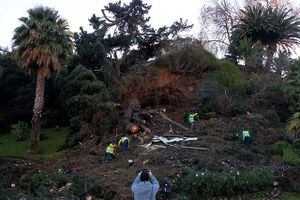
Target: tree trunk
{"type": "Point", "coordinates": [37, 112]}
{"type": "Point", "coordinates": [119, 62]}
{"type": "Point", "coordinates": [270, 53]}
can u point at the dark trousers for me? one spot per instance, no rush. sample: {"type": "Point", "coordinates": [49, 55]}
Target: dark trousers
{"type": "Point", "coordinates": [108, 157]}
{"type": "Point", "coordinates": [193, 124]}
{"type": "Point", "coordinates": [247, 141]}
{"type": "Point", "coordinates": [124, 145]}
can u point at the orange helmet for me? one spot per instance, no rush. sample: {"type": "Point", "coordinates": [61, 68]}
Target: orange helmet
{"type": "Point", "coordinates": [134, 128]}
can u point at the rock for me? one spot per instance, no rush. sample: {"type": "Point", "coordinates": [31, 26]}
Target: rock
{"type": "Point", "coordinates": [169, 162]}
{"type": "Point", "coordinates": [275, 183]}
{"type": "Point", "coordinates": [145, 162]}
{"type": "Point", "coordinates": [89, 197]}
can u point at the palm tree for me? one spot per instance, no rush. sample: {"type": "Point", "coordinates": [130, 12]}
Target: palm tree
{"type": "Point", "coordinates": [293, 125]}
{"type": "Point", "coordinates": [40, 44]}
{"type": "Point", "coordinates": [270, 26]}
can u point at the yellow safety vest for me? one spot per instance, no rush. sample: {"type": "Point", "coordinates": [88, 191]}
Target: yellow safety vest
{"type": "Point", "coordinates": [192, 118]}
{"type": "Point", "coordinates": [110, 149]}
{"type": "Point", "coordinates": [122, 140]}
{"type": "Point", "coordinates": [245, 134]}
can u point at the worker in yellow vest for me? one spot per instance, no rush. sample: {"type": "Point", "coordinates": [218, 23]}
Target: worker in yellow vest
{"type": "Point", "coordinates": [245, 137]}
{"type": "Point", "coordinates": [109, 152]}
{"type": "Point", "coordinates": [123, 142]}
{"type": "Point", "coordinates": [192, 120]}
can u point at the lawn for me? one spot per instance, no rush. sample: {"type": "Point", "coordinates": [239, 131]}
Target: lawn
{"type": "Point", "coordinates": [48, 147]}
{"type": "Point", "coordinates": [289, 196]}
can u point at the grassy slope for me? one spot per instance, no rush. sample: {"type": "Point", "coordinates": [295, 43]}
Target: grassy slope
{"type": "Point", "coordinates": [48, 147]}
{"type": "Point", "coordinates": [290, 196]}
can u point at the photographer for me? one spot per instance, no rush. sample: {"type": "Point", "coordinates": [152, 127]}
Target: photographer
{"type": "Point", "coordinates": [145, 186]}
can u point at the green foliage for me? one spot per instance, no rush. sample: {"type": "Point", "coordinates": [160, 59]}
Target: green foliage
{"type": "Point", "coordinates": [224, 91]}
{"type": "Point", "coordinates": [293, 125]}
{"type": "Point", "coordinates": [132, 35]}
{"type": "Point", "coordinates": [272, 95]}
{"type": "Point", "coordinates": [289, 196]}
{"type": "Point", "coordinates": [207, 98]}
{"type": "Point", "coordinates": [90, 49]}
{"type": "Point", "coordinates": [17, 93]}
{"type": "Point", "coordinates": [290, 157]}
{"type": "Point", "coordinates": [45, 50]}
{"type": "Point", "coordinates": [268, 25]}
{"type": "Point", "coordinates": [75, 124]}
{"type": "Point", "coordinates": [280, 146]}
{"type": "Point", "coordinates": [86, 100]}
{"type": "Point", "coordinates": [186, 55]}
{"type": "Point", "coordinates": [292, 84]}
{"type": "Point", "coordinates": [230, 77]}
{"type": "Point", "coordinates": [208, 184]}
{"type": "Point", "coordinates": [41, 182]}
{"type": "Point", "coordinates": [20, 130]}
{"type": "Point", "coordinates": [253, 54]}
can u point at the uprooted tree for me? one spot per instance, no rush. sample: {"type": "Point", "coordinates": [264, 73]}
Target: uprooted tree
{"type": "Point", "coordinates": [124, 36]}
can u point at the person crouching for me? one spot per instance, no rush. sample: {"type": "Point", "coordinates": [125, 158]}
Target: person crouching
{"type": "Point", "coordinates": [123, 143]}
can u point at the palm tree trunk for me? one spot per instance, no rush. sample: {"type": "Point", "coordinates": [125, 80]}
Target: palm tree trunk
{"type": "Point", "coordinates": [37, 112]}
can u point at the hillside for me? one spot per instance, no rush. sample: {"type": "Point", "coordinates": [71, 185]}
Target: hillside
{"type": "Point", "coordinates": [216, 134]}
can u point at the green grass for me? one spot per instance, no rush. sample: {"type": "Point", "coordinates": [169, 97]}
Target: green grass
{"type": "Point", "coordinates": [289, 196]}
{"type": "Point", "coordinates": [48, 148]}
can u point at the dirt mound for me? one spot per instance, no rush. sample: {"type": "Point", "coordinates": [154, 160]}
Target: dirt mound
{"type": "Point", "coordinates": [166, 88]}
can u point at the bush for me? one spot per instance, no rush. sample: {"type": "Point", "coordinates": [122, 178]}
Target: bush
{"type": "Point", "coordinates": [20, 130]}
{"type": "Point", "coordinates": [207, 184]}
{"type": "Point", "coordinates": [75, 124]}
{"type": "Point", "coordinates": [280, 146]}
{"type": "Point", "coordinates": [290, 157]}
{"type": "Point", "coordinates": [229, 76]}
{"type": "Point", "coordinates": [186, 55]}
{"type": "Point", "coordinates": [86, 100]}
{"type": "Point", "coordinates": [207, 98]}
{"type": "Point", "coordinates": [224, 91]}
{"type": "Point", "coordinates": [41, 182]}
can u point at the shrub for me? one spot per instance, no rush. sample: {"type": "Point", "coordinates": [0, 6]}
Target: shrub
{"type": "Point", "coordinates": [229, 76]}
{"type": "Point", "coordinates": [84, 97]}
{"type": "Point", "coordinates": [75, 124]}
{"type": "Point", "coordinates": [290, 157]}
{"type": "Point", "coordinates": [20, 130]}
{"type": "Point", "coordinates": [280, 146]}
{"type": "Point", "coordinates": [41, 182]}
{"type": "Point", "coordinates": [186, 55]}
{"type": "Point", "coordinates": [207, 184]}
{"type": "Point", "coordinates": [207, 98]}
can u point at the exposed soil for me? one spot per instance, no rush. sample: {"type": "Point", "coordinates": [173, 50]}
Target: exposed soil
{"type": "Point", "coordinates": [176, 93]}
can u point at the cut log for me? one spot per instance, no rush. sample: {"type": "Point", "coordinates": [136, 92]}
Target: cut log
{"type": "Point", "coordinates": [173, 122]}
{"type": "Point", "coordinates": [194, 148]}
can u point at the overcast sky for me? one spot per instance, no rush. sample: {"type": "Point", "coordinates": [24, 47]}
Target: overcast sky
{"type": "Point", "coordinates": [77, 13]}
